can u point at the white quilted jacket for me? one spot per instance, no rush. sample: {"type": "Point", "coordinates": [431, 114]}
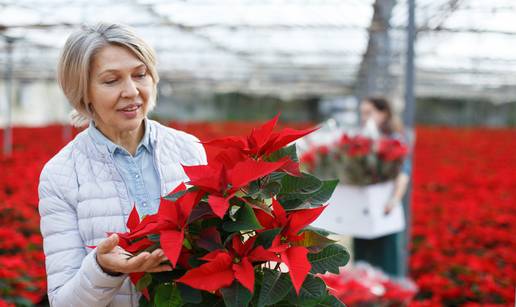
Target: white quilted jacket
{"type": "Point", "coordinates": [81, 197]}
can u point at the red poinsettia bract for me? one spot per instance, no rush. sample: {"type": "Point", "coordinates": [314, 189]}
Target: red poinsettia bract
{"type": "Point", "coordinates": [291, 223]}
{"type": "Point", "coordinates": [223, 266]}
{"type": "Point", "coordinates": [169, 223]}
{"type": "Point", "coordinates": [359, 146]}
{"type": "Point", "coordinates": [390, 149]}
{"type": "Point", "coordinates": [262, 140]}
{"type": "Point", "coordinates": [225, 175]}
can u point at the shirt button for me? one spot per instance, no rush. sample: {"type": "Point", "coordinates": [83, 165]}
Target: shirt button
{"type": "Point", "coordinates": [145, 204]}
{"type": "Point", "coordinates": [137, 176]}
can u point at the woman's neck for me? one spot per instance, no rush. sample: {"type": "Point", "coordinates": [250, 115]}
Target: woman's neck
{"type": "Point", "coordinates": [129, 140]}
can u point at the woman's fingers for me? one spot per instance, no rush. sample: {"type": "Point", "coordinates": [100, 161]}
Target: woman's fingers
{"type": "Point", "coordinates": [160, 268]}
{"type": "Point", "coordinates": [105, 246]}
{"type": "Point", "coordinates": [136, 263]}
{"type": "Point", "coordinates": [115, 259]}
{"type": "Point", "coordinates": [390, 206]}
{"type": "Point", "coordinates": [154, 260]}
{"type": "Point", "coordinates": [163, 259]}
{"type": "Point", "coordinates": [144, 261]}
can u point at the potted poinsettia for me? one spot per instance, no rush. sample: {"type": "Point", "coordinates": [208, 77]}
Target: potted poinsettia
{"type": "Point", "coordinates": [366, 167]}
{"type": "Point", "coordinates": [357, 160]}
{"type": "Point", "coordinates": [367, 286]}
{"type": "Point", "coordinates": [238, 232]}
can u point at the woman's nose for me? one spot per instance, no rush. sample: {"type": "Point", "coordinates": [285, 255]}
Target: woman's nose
{"type": "Point", "coordinates": [130, 89]}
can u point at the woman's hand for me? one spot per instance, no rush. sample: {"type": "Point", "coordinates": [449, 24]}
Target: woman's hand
{"type": "Point", "coordinates": [391, 204]}
{"type": "Point", "coordinates": [115, 260]}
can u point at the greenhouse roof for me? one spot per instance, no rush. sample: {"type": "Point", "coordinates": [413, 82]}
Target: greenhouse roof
{"type": "Point", "coordinates": [292, 47]}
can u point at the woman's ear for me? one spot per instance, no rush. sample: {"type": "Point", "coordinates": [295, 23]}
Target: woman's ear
{"type": "Point", "coordinates": [90, 109]}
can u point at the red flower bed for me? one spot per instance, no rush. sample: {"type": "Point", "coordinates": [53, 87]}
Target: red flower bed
{"type": "Point", "coordinates": [22, 272]}
{"type": "Point", "coordinates": [464, 213]}
{"type": "Point", "coordinates": [464, 217]}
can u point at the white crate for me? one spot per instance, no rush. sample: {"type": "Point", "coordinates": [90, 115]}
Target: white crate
{"type": "Point", "coordinates": [359, 212]}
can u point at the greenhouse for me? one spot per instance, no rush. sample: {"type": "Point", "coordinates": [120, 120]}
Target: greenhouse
{"type": "Point", "coordinates": [399, 190]}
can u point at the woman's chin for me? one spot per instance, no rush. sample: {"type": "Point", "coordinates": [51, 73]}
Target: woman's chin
{"type": "Point", "coordinates": [130, 124]}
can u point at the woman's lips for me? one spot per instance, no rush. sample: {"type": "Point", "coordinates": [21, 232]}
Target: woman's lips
{"type": "Point", "coordinates": [131, 111]}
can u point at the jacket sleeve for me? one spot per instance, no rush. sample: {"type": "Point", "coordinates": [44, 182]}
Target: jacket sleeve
{"type": "Point", "coordinates": [201, 152]}
{"type": "Point", "coordinates": [74, 277]}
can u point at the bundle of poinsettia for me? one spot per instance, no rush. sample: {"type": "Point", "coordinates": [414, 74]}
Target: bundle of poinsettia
{"type": "Point", "coordinates": [357, 160]}
{"type": "Point", "coordinates": [238, 233]}
{"type": "Point", "coordinates": [366, 286]}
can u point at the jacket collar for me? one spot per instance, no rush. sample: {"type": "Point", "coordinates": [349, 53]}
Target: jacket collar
{"type": "Point", "coordinates": [106, 144]}
{"type": "Point", "coordinates": [99, 149]}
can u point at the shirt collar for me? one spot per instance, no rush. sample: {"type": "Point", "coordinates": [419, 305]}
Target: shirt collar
{"type": "Point", "coordinates": [100, 138]}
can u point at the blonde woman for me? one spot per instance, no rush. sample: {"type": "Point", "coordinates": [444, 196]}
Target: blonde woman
{"type": "Point", "coordinates": [122, 159]}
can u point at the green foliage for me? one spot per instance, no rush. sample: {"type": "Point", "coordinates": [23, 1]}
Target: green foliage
{"type": "Point", "coordinates": [330, 259]}
{"type": "Point", "coordinates": [275, 286]}
{"type": "Point", "coordinates": [167, 295]}
{"type": "Point", "coordinates": [236, 295]}
{"type": "Point", "coordinates": [245, 219]}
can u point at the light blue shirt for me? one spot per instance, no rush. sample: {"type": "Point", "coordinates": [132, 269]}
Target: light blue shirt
{"type": "Point", "coordinates": [139, 172]}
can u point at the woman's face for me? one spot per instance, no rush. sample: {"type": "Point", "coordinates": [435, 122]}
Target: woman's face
{"type": "Point", "coordinates": [119, 90]}
{"type": "Point", "coordinates": [367, 111]}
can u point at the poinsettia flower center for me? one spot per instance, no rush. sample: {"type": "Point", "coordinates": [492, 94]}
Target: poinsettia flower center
{"type": "Point", "coordinates": [236, 260]}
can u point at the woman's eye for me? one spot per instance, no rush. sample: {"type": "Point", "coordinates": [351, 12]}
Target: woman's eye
{"type": "Point", "coordinates": [110, 81]}
{"type": "Point", "coordinates": [142, 75]}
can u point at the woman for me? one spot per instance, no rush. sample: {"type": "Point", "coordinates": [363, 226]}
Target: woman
{"type": "Point", "coordinates": [387, 252]}
{"type": "Point", "coordinates": [122, 159]}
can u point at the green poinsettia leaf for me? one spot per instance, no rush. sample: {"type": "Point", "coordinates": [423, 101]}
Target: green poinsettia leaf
{"type": "Point", "coordinates": [293, 201]}
{"type": "Point", "coordinates": [187, 244]}
{"type": "Point", "coordinates": [275, 286]}
{"type": "Point", "coordinates": [258, 203]}
{"type": "Point", "coordinates": [270, 190]}
{"type": "Point", "coordinates": [194, 261]}
{"type": "Point", "coordinates": [313, 290]}
{"type": "Point", "coordinates": [287, 151]}
{"type": "Point", "coordinates": [253, 187]}
{"type": "Point", "coordinates": [153, 237]}
{"type": "Point", "coordinates": [330, 259]}
{"type": "Point", "coordinates": [321, 231]}
{"type": "Point", "coordinates": [167, 295]}
{"type": "Point", "coordinates": [236, 295]}
{"type": "Point", "coordinates": [323, 194]}
{"type": "Point", "coordinates": [176, 195]}
{"type": "Point", "coordinates": [245, 219]}
{"type": "Point", "coordinates": [276, 176]}
{"type": "Point", "coordinates": [329, 301]}
{"type": "Point", "coordinates": [323, 301]}
{"type": "Point", "coordinates": [284, 304]}
{"type": "Point", "coordinates": [142, 302]}
{"type": "Point", "coordinates": [303, 184]}
{"type": "Point", "coordinates": [167, 276]}
{"type": "Point", "coordinates": [189, 294]}
{"type": "Point", "coordinates": [314, 241]}
{"type": "Point", "coordinates": [202, 209]}
{"type": "Point", "coordinates": [144, 282]}
{"type": "Point", "coordinates": [266, 237]}
{"type": "Point", "coordinates": [208, 299]}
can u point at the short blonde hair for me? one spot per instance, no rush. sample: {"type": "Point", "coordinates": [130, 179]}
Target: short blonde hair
{"type": "Point", "coordinates": [78, 54]}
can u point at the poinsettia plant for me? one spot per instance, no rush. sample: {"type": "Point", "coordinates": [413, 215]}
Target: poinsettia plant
{"type": "Point", "coordinates": [367, 286]}
{"type": "Point", "coordinates": [237, 233]}
{"type": "Point", "coordinates": [357, 160]}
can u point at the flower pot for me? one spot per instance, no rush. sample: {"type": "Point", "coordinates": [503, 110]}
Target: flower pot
{"type": "Point", "coordinates": [358, 211]}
